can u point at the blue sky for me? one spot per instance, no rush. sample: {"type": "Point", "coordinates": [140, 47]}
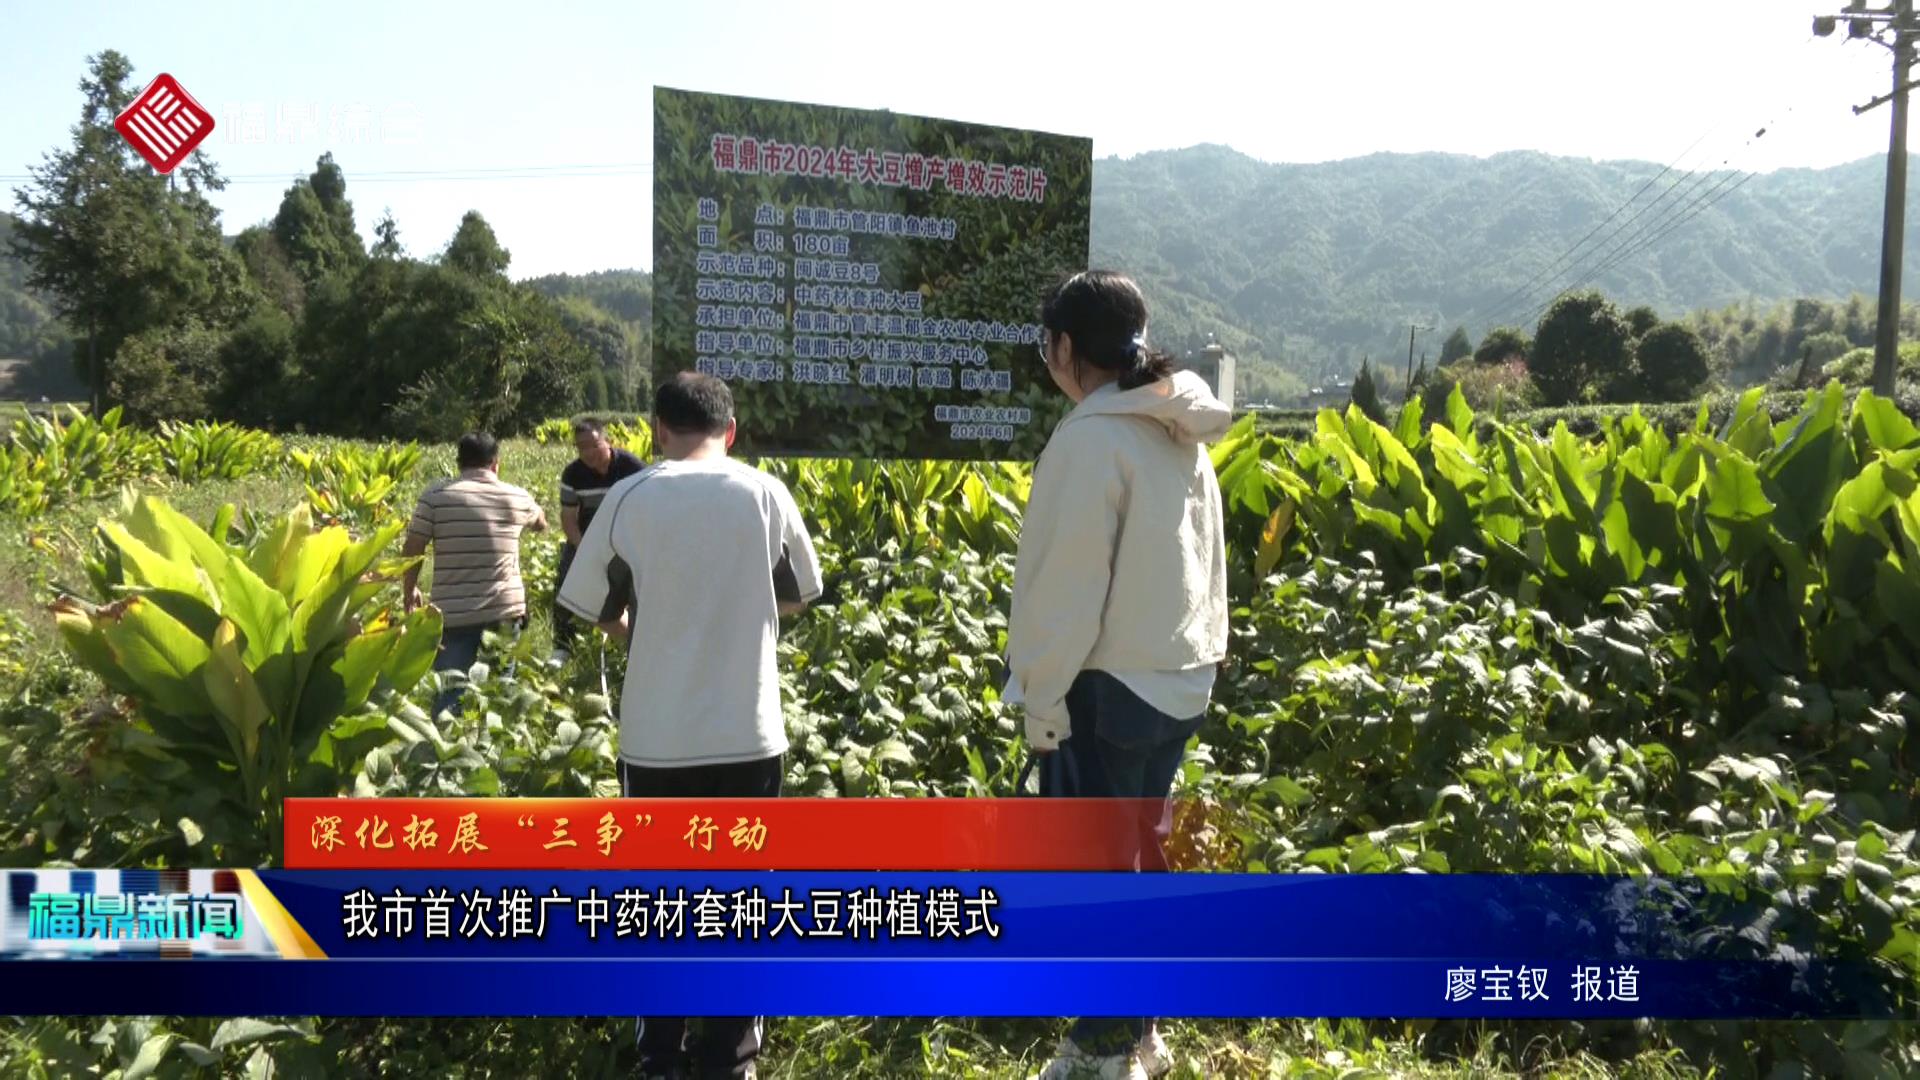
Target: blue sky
{"type": "Point", "coordinates": [419, 100]}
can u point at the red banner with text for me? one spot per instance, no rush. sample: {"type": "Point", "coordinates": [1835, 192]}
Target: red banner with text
{"type": "Point", "coordinates": [726, 834]}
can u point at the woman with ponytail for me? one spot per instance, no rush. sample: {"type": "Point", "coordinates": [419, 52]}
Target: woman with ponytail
{"type": "Point", "coordinates": [1120, 589]}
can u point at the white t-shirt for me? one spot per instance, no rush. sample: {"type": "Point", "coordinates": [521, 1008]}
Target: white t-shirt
{"type": "Point", "coordinates": [703, 551]}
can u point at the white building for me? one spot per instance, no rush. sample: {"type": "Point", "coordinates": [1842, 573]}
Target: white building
{"type": "Point", "coordinates": [1214, 364]}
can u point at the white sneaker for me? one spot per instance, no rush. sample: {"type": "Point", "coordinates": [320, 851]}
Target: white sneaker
{"type": "Point", "coordinates": [1154, 1056]}
{"type": "Point", "coordinates": [1070, 1062]}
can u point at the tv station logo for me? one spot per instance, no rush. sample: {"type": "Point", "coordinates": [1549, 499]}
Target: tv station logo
{"type": "Point", "coordinates": [164, 123]}
{"type": "Point", "coordinates": [177, 914]}
{"type": "Point", "coordinates": [172, 917]}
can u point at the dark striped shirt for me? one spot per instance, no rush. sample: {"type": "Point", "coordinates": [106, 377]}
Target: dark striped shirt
{"type": "Point", "coordinates": [581, 487]}
{"type": "Point", "coordinates": [474, 522]}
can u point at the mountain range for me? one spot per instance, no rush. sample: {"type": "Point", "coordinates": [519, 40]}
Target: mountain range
{"type": "Point", "coordinates": [1308, 268]}
{"type": "Point", "coordinates": [1303, 270]}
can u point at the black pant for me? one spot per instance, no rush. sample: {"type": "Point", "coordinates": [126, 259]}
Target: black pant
{"type": "Point", "coordinates": [722, 1046]}
{"type": "Point", "coordinates": [1117, 747]}
{"type": "Point", "coordinates": [565, 625]}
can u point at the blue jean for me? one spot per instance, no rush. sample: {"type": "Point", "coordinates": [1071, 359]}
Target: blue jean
{"type": "Point", "coordinates": [459, 651]}
{"type": "Point", "coordinates": [1117, 747]}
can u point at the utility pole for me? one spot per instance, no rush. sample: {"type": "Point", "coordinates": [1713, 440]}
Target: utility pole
{"type": "Point", "coordinates": [1412, 329]}
{"type": "Point", "coordinates": [1895, 27]}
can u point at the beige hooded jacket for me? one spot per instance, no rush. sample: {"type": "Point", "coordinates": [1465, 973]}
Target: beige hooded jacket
{"type": "Point", "coordinates": [1122, 564]}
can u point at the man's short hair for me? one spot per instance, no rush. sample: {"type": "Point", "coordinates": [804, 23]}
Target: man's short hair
{"type": "Point", "coordinates": [478, 450]}
{"type": "Point", "coordinates": [589, 425]}
{"type": "Point", "coordinates": [693, 403]}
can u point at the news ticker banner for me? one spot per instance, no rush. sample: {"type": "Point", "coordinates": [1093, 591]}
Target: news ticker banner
{"type": "Point", "coordinates": [724, 834]}
{"type": "Point", "coordinates": [560, 942]}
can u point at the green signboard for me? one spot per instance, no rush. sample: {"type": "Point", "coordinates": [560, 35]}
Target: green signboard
{"type": "Point", "coordinates": [867, 283]}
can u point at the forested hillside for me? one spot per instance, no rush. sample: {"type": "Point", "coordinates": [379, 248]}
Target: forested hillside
{"type": "Point", "coordinates": [1309, 267]}
{"type": "Point", "coordinates": [1305, 269]}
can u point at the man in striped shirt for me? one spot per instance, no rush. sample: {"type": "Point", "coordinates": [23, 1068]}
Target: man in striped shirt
{"type": "Point", "coordinates": [584, 484]}
{"type": "Point", "coordinates": [473, 523]}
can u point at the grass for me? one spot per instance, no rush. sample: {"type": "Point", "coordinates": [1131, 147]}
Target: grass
{"type": "Point", "coordinates": [40, 554]}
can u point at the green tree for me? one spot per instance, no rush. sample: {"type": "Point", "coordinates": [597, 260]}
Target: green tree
{"type": "Point", "coordinates": [1824, 348]}
{"type": "Point", "coordinates": [117, 248]}
{"type": "Point", "coordinates": [1581, 350]}
{"type": "Point", "coordinates": [1457, 347]}
{"type": "Point", "coordinates": [315, 225]}
{"type": "Point", "coordinates": [24, 316]}
{"type": "Point", "coordinates": [168, 373]}
{"type": "Point", "coordinates": [627, 295]}
{"type": "Point", "coordinates": [1366, 394]}
{"type": "Point", "coordinates": [594, 390]}
{"type": "Point", "coordinates": [272, 272]}
{"type": "Point", "coordinates": [1671, 363]}
{"type": "Point", "coordinates": [475, 250]}
{"type": "Point", "coordinates": [611, 343]}
{"type": "Point", "coordinates": [637, 380]}
{"type": "Point", "coordinates": [1642, 320]}
{"type": "Point", "coordinates": [258, 366]}
{"type": "Point", "coordinates": [387, 232]}
{"type": "Point", "coordinates": [1503, 343]}
{"type": "Point", "coordinates": [406, 348]}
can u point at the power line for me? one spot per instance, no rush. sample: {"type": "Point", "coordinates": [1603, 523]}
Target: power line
{"type": "Point", "coordinates": [1541, 276]}
{"type": "Point", "coordinates": [399, 176]}
{"type": "Point", "coordinates": [1518, 300]}
{"type": "Point", "coordinates": [1677, 190]}
{"type": "Point", "coordinates": [1622, 244]}
{"type": "Point", "coordinates": [1629, 231]}
{"type": "Point", "coordinates": [1693, 209]}
{"type": "Point", "coordinates": [1738, 182]}
{"type": "Point", "coordinates": [1714, 194]}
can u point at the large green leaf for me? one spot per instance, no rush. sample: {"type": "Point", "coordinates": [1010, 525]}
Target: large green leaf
{"type": "Point", "coordinates": [1653, 516]}
{"type": "Point", "coordinates": [413, 657]}
{"type": "Point", "coordinates": [85, 636]}
{"type": "Point", "coordinates": [274, 558]}
{"type": "Point", "coordinates": [359, 558]}
{"type": "Point", "coordinates": [1406, 428]}
{"type": "Point", "coordinates": [1620, 542]}
{"type": "Point", "coordinates": [162, 657]}
{"type": "Point", "coordinates": [1339, 446]}
{"type": "Point", "coordinates": [1807, 468]}
{"type": "Point", "coordinates": [259, 612]}
{"type": "Point", "coordinates": [146, 567]}
{"type": "Point", "coordinates": [1229, 447]}
{"type": "Point", "coordinates": [310, 564]}
{"type": "Point", "coordinates": [1861, 501]}
{"type": "Point", "coordinates": [1878, 424]}
{"type": "Point", "coordinates": [1460, 418]}
{"type": "Point", "coordinates": [360, 664]}
{"type": "Point", "coordinates": [323, 698]}
{"type": "Point", "coordinates": [1455, 460]}
{"type": "Point", "coordinates": [1735, 494]}
{"type": "Point", "coordinates": [231, 688]}
{"type": "Point", "coordinates": [1748, 430]}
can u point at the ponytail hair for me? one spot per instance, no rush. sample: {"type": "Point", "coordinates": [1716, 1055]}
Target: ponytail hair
{"type": "Point", "coordinates": [1144, 364]}
{"type": "Point", "coordinates": [1105, 314]}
